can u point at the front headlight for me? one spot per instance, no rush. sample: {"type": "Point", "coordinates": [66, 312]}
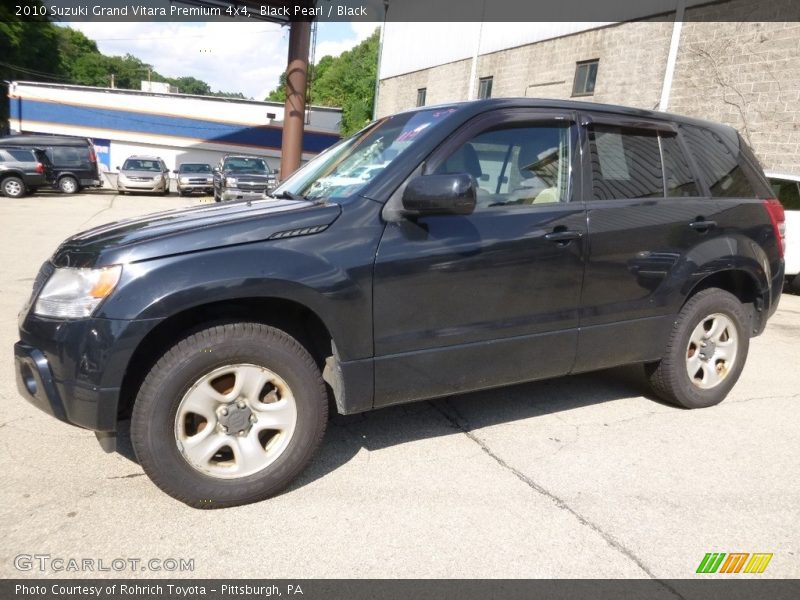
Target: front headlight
{"type": "Point", "coordinates": [184, 180]}
{"type": "Point", "coordinates": [230, 181]}
{"type": "Point", "coordinates": [75, 293]}
{"type": "Point", "coordinates": [209, 180]}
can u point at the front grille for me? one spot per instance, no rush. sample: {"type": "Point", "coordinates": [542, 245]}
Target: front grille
{"type": "Point", "coordinates": [141, 178]}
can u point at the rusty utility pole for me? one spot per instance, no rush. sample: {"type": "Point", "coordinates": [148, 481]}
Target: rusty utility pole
{"type": "Point", "coordinates": [295, 107]}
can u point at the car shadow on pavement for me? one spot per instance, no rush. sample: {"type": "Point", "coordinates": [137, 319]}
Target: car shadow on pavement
{"type": "Point", "coordinates": [454, 415]}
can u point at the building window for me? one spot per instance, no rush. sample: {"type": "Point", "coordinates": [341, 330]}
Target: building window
{"type": "Point", "coordinates": [485, 87]}
{"type": "Point", "coordinates": [585, 77]}
{"type": "Point", "coordinates": [421, 93]}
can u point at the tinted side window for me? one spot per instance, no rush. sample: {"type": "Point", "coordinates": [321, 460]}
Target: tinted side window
{"type": "Point", "coordinates": [66, 156]}
{"type": "Point", "coordinates": [22, 155]}
{"type": "Point", "coordinates": [522, 165]}
{"type": "Point", "coordinates": [719, 166]}
{"type": "Point", "coordinates": [626, 163]}
{"type": "Point", "coordinates": [680, 180]}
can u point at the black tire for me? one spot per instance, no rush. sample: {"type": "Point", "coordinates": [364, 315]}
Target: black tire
{"type": "Point", "coordinates": [13, 187]}
{"type": "Point", "coordinates": [670, 378]}
{"type": "Point", "coordinates": [68, 185]}
{"type": "Point", "coordinates": [153, 422]}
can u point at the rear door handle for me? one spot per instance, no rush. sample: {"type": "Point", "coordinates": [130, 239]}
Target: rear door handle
{"type": "Point", "coordinates": [563, 236]}
{"type": "Point", "coordinates": [701, 226]}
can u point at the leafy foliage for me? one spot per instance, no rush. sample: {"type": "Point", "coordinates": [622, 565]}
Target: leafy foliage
{"type": "Point", "coordinates": [347, 81]}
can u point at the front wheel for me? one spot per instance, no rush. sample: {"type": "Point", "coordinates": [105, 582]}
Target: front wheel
{"type": "Point", "coordinates": [705, 353]}
{"type": "Point", "coordinates": [229, 415]}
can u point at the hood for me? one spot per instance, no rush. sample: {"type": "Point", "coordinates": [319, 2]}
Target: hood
{"type": "Point", "coordinates": [193, 229]}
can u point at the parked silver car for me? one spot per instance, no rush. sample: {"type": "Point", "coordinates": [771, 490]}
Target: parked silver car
{"type": "Point", "coordinates": [147, 174]}
{"type": "Point", "coordinates": [194, 177]}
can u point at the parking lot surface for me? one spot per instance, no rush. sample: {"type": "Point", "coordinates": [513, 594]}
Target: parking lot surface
{"type": "Point", "coordinates": [583, 476]}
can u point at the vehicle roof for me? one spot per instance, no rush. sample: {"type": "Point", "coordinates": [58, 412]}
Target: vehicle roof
{"type": "Point", "coordinates": [477, 106]}
{"type": "Point", "coordinates": [194, 163]}
{"type": "Point", "coordinates": [143, 157]}
{"type": "Point", "coordinates": [242, 156]}
{"type": "Point", "coordinates": [44, 140]}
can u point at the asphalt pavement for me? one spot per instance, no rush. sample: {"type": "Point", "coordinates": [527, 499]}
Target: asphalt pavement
{"type": "Point", "coordinates": [583, 476]}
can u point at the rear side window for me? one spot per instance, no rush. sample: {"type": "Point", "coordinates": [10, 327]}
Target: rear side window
{"type": "Point", "coordinates": [626, 163]}
{"type": "Point", "coordinates": [718, 165]}
{"type": "Point", "coordinates": [677, 173]}
{"type": "Point", "coordinates": [66, 156]}
{"type": "Point", "coordinates": [22, 155]}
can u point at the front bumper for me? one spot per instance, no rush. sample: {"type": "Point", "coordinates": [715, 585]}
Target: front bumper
{"type": "Point", "coordinates": [74, 370]}
{"type": "Point", "coordinates": [141, 186]}
{"type": "Point", "coordinates": [94, 409]}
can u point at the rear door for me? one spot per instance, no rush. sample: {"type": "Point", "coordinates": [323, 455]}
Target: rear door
{"type": "Point", "coordinates": [645, 212]}
{"type": "Point", "coordinates": [491, 298]}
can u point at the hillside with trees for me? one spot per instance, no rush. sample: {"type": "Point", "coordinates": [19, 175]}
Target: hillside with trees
{"type": "Point", "coordinates": [346, 81]}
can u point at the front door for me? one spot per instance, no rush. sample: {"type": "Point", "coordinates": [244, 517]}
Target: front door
{"type": "Point", "coordinates": [469, 302]}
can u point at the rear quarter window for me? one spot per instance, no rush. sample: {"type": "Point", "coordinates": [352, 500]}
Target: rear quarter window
{"type": "Point", "coordinates": [22, 155]}
{"type": "Point", "coordinates": [66, 156]}
{"type": "Point", "coordinates": [722, 168]}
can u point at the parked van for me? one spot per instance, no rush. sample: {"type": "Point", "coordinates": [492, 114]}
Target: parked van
{"type": "Point", "coordinates": [73, 158]}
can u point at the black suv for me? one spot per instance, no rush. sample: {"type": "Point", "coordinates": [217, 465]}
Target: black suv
{"type": "Point", "coordinates": [438, 251]}
{"type": "Point", "coordinates": [73, 159]}
{"type": "Point", "coordinates": [23, 170]}
{"type": "Point", "coordinates": [242, 177]}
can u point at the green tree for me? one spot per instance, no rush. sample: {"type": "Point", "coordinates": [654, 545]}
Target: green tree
{"type": "Point", "coordinates": [346, 81]}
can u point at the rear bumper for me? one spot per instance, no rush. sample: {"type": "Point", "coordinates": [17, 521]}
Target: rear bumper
{"type": "Point", "coordinates": [94, 409]}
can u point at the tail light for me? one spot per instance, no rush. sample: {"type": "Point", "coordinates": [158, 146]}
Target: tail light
{"type": "Point", "coordinates": [92, 155]}
{"type": "Point", "coordinates": [39, 168]}
{"type": "Point", "coordinates": [778, 218]}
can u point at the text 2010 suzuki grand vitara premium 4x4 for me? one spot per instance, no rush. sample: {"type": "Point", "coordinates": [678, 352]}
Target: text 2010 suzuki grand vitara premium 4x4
{"type": "Point", "coordinates": [490, 243]}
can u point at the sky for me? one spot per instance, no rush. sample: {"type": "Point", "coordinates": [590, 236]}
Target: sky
{"type": "Point", "coordinates": [231, 57]}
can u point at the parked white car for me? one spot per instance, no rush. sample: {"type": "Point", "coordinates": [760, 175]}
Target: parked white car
{"type": "Point", "coordinates": [787, 189]}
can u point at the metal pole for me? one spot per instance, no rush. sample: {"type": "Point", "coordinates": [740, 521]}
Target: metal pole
{"type": "Point", "coordinates": [295, 106]}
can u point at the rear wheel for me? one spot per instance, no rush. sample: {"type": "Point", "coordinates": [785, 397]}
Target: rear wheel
{"type": "Point", "coordinates": [13, 187]}
{"type": "Point", "coordinates": [68, 185]}
{"type": "Point", "coordinates": [229, 415]}
{"type": "Point", "coordinates": [705, 353]}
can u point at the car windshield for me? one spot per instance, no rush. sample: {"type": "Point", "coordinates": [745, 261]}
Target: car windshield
{"type": "Point", "coordinates": [343, 169]}
{"type": "Point", "coordinates": [243, 164]}
{"type": "Point", "coordinates": [195, 168]}
{"type": "Point", "coordinates": [141, 164]}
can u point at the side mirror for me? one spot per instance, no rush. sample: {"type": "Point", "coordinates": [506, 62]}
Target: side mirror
{"type": "Point", "coordinates": [451, 194]}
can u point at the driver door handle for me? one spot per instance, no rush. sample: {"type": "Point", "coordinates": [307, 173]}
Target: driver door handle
{"type": "Point", "coordinates": [563, 236]}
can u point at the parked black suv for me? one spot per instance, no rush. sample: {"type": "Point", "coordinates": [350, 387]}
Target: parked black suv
{"type": "Point", "coordinates": [438, 251]}
{"type": "Point", "coordinates": [242, 177]}
{"type": "Point", "coordinates": [73, 158]}
{"type": "Point", "coordinates": [23, 170]}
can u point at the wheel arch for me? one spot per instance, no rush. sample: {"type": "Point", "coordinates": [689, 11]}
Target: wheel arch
{"type": "Point", "coordinates": [290, 316]}
{"type": "Point", "coordinates": [741, 283]}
